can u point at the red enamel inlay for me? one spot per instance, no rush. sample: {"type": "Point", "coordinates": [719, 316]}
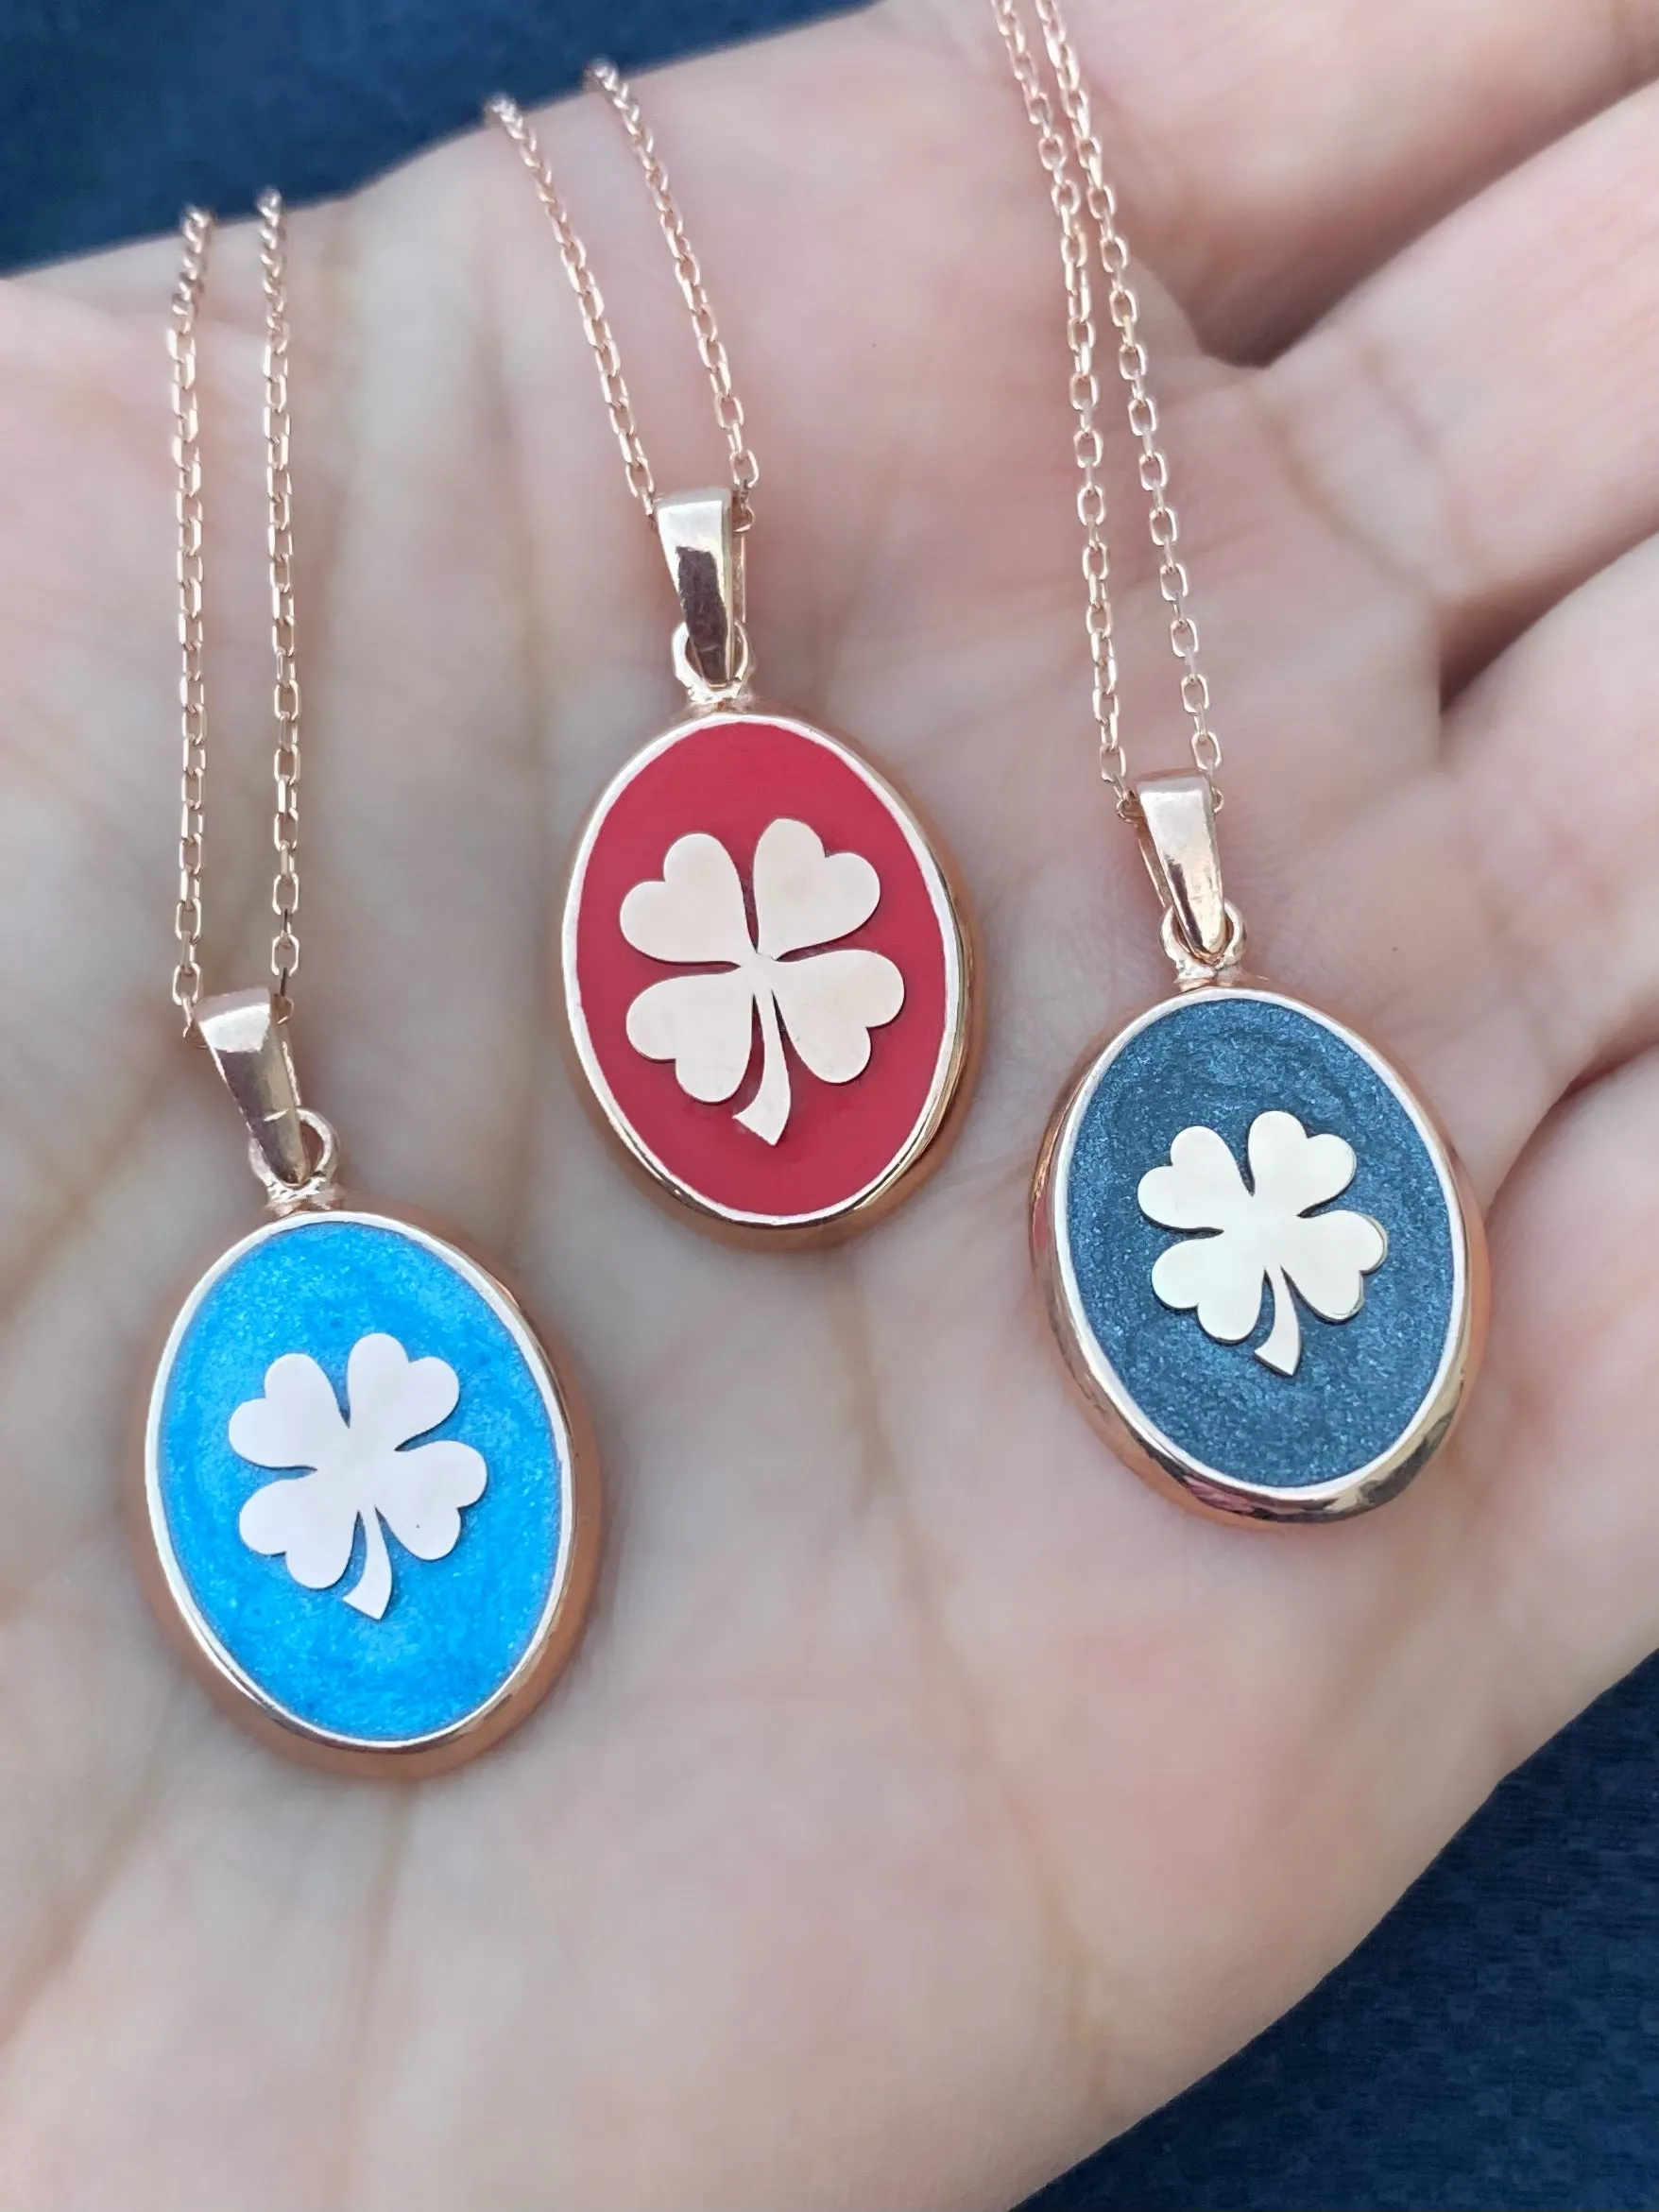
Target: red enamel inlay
{"type": "Point", "coordinates": [731, 779]}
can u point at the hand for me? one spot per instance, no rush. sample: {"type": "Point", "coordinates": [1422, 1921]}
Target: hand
{"type": "Point", "coordinates": [928, 1799]}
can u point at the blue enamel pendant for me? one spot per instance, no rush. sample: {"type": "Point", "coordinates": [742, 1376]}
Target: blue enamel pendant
{"type": "Point", "coordinates": [364, 1483]}
{"type": "Point", "coordinates": [1259, 1258]}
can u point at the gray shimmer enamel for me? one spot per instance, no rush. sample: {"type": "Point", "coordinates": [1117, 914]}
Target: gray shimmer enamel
{"type": "Point", "coordinates": [1221, 1062]}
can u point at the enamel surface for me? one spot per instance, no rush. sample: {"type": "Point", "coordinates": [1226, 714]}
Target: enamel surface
{"type": "Point", "coordinates": [430, 1479]}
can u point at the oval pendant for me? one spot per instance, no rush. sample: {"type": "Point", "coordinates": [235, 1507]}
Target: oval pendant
{"type": "Point", "coordinates": [1259, 1256]}
{"type": "Point", "coordinates": [367, 1493]}
{"type": "Point", "coordinates": [768, 979]}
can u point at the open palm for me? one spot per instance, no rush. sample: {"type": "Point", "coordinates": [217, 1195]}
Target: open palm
{"type": "Point", "coordinates": [928, 1799]}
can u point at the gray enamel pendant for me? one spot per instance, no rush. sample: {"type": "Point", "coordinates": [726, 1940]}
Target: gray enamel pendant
{"type": "Point", "coordinates": [1259, 1254]}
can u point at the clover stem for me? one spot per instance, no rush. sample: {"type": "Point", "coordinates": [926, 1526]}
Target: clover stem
{"type": "Point", "coordinates": [768, 1110]}
{"type": "Point", "coordinates": [371, 1592]}
{"type": "Point", "coordinates": [1282, 1346]}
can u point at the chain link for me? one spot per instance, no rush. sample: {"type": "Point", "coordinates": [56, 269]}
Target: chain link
{"type": "Point", "coordinates": [605, 78]}
{"type": "Point", "coordinates": [1069, 198]}
{"type": "Point", "coordinates": [196, 235]}
{"type": "Point", "coordinates": [729, 413]}
{"type": "Point", "coordinates": [197, 230]}
{"type": "Point", "coordinates": [595, 320]}
{"type": "Point", "coordinates": [279, 548]}
{"type": "Point", "coordinates": [1084, 390]}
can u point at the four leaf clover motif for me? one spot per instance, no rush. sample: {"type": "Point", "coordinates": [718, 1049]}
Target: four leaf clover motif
{"type": "Point", "coordinates": [359, 1470]}
{"type": "Point", "coordinates": [704, 1022]}
{"type": "Point", "coordinates": [1265, 1234]}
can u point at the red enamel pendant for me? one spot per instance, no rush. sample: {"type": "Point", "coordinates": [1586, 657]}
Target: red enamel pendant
{"type": "Point", "coordinates": [767, 975]}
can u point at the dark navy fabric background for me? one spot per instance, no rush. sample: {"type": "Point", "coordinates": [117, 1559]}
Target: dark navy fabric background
{"type": "Point", "coordinates": [1494, 2045]}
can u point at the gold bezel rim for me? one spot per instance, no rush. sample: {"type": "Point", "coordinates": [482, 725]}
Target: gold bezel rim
{"type": "Point", "coordinates": [957, 1045]}
{"type": "Point", "coordinates": [560, 1619]}
{"type": "Point", "coordinates": [1146, 1448]}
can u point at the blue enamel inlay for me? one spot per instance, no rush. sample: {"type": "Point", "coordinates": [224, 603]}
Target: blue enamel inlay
{"type": "Point", "coordinates": [1221, 1062]}
{"type": "Point", "coordinates": [455, 1627]}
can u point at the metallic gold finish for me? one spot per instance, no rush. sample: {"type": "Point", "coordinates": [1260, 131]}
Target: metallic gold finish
{"type": "Point", "coordinates": [1178, 824]}
{"type": "Point", "coordinates": [1174, 817]}
{"type": "Point", "coordinates": [273, 254]}
{"type": "Point", "coordinates": [1135, 1439]}
{"type": "Point", "coordinates": [702, 539]}
{"type": "Point", "coordinates": [319, 1189]}
{"type": "Point", "coordinates": [293, 1151]}
{"type": "Point", "coordinates": [705, 559]}
{"type": "Point", "coordinates": [245, 1031]}
{"type": "Point", "coordinates": [729, 413]}
{"type": "Point", "coordinates": [248, 1040]}
{"type": "Point", "coordinates": [573, 254]}
{"type": "Point", "coordinates": [574, 1575]}
{"type": "Point", "coordinates": [1071, 193]}
{"type": "Point", "coordinates": [937, 1128]}
{"type": "Point", "coordinates": [196, 234]}
{"type": "Point", "coordinates": [604, 79]}
{"type": "Point", "coordinates": [703, 545]}
{"type": "Point", "coordinates": [786, 968]}
{"type": "Point", "coordinates": [1275, 1236]}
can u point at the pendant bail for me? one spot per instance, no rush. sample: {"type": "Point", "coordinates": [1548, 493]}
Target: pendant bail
{"type": "Point", "coordinates": [1175, 820]}
{"type": "Point", "coordinates": [705, 555]}
{"type": "Point", "coordinates": [247, 1037]}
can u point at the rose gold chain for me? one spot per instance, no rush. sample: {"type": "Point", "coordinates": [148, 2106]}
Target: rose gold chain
{"type": "Point", "coordinates": [1071, 195]}
{"type": "Point", "coordinates": [196, 233]}
{"type": "Point", "coordinates": [273, 253]}
{"type": "Point", "coordinates": [729, 413]}
{"type": "Point", "coordinates": [1066, 193]}
{"type": "Point", "coordinates": [604, 77]}
{"type": "Point", "coordinates": [595, 320]}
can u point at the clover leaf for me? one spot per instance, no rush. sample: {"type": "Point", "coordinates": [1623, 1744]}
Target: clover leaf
{"type": "Point", "coordinates": [1265, 1234]}
{"type": "Point", "coordinates": [359, 1468]}
{"type": "Point", "coordinates": [829, 1001]}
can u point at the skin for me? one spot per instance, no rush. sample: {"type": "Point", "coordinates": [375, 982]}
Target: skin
{"type": "Point", "coordinates": [928, 1799]}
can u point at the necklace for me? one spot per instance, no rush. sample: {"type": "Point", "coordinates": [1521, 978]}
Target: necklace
{"type": "Point", "coordinates": [371, 1518]}
{"type": "Point", "coordinates": [768, 972]}
{"type": "Point", "coordinates": [1303, 1343]}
